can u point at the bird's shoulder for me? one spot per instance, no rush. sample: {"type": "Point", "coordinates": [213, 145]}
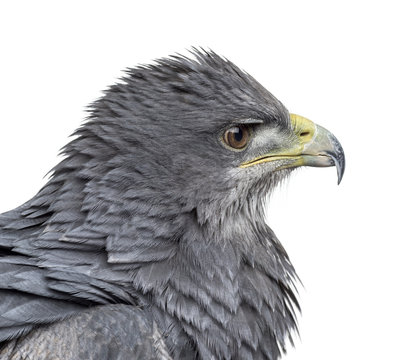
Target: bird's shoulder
{"type": "Point", "coordinates": [102, 332]}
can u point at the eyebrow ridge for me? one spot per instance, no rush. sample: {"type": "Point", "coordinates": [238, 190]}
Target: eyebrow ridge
{"type": "Point", "coordinates": [249, 121]}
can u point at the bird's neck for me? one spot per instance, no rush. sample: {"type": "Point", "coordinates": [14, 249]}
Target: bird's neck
{"type": "Point", "coordinates": [230, 293]}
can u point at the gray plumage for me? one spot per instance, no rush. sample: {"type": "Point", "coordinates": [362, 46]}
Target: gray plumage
{"type": "Point", "coordinates": [117, 332]}
{"type": "Point", "coordinates": [149, 226]}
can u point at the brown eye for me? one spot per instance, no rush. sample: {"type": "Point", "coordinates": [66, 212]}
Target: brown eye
{"type": "Point", "coordinates": [237, 136]}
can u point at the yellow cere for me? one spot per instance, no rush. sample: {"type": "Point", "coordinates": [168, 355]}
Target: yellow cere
{"type": "Point", "coordinates": [303, 128]}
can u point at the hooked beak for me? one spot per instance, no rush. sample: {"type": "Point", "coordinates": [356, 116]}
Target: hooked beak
{"type": "Point", "coordinates": [314, 146]}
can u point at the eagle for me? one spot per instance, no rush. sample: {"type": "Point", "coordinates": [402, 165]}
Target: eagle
{"type": "Point", "coordinates": [149, 239]}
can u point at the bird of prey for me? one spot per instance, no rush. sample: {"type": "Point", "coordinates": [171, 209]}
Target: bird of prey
{"type": "Point", "coordinates": [149, 240]}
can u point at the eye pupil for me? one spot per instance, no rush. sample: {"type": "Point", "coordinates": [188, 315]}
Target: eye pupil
{"type": "Point", "coordinates": [237, 136]}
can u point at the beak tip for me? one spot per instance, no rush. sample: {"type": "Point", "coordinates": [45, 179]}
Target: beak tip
{"type": "Point", "coordinates": [338, 157]}
{"type": "Point", "coordinates": [340, 168]}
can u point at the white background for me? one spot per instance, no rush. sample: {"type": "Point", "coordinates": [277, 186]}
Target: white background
{"type": "Point", "coordinates": [346, 65]}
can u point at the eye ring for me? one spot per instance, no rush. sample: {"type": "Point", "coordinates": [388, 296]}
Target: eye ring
{"type": "Point", "coordinates": [237, 137]}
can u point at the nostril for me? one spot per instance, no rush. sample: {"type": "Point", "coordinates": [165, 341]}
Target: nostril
{"type": "Point", "coordinates": [304, 133]}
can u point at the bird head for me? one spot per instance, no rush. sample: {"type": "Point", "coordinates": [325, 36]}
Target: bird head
{"type": "Point", "coordinates": [202, 134]}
